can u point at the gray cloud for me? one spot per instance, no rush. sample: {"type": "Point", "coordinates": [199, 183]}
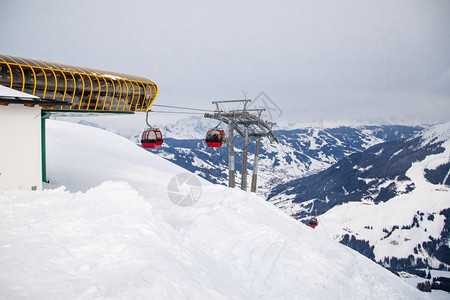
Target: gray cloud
{"type": "Point", "coordinates": [319, 60]}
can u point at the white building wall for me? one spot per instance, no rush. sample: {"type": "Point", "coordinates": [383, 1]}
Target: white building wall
{"type": "Point", "coordinates": [20, 147]}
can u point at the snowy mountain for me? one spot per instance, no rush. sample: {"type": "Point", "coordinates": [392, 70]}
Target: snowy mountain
{"type": "Point", "coordinates": [107, 227]}
{"type": "Point", "coordinates": [301, 151]}
{"type": "Point", "coordinates": [390, 202]}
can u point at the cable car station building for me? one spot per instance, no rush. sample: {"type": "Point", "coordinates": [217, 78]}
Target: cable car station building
{"type": "Point", "coordinates": [31, 90]}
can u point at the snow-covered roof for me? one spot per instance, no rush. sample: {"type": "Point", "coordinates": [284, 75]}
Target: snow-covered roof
{"type": "Point", "coordinates": [11, 96]}
{"type": "Point", "coordinates": [8, 92]}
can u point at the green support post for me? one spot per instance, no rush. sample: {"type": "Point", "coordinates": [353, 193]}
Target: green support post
{"type": "Point", "coordinates": [44, 115]}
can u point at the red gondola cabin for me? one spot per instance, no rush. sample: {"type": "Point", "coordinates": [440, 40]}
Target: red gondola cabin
{"type": "Point", "coordinates": [313, 222]}
{"type": "Point", "coordinates": [215, 138]}
{"type": "Point", "coordinates": [151, 138]}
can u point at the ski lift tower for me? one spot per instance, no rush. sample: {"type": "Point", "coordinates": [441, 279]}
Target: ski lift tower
{"type": "Point", "coordinates": [248, 124]}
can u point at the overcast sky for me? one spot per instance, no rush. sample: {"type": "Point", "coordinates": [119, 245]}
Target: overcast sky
{"type": "Point", "coordinates": [366, 61]}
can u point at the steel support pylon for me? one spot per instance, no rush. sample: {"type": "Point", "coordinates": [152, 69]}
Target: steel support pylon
{"type": "Point", "coordinates": [231, 165]}
{"type": "Point", "coordinates": [255, 167]}
{"type": "Point", "coordinates": [248, 126]}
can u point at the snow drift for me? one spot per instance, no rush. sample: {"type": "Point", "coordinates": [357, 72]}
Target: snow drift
{"type": "Point", "coordinates": [106, 228]}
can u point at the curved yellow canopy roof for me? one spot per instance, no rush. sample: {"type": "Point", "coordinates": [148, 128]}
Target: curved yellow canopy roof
{"type": "Point", "coordinates": [75, 88]}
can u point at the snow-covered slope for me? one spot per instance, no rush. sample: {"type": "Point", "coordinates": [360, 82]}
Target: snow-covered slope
{"type": "Point", "coordinates": [404, 225]}
{"type": "Point", "coordinates": [113, 233]}
{"type": "Point", "coordinates": [390, 202]}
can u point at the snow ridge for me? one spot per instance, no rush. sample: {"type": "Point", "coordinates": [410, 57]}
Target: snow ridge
{"type": "Point", "coordinates": [112, 232]}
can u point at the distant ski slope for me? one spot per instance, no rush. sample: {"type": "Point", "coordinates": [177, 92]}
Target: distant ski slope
{"type": "Point", "coordinates": [390, 202]}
